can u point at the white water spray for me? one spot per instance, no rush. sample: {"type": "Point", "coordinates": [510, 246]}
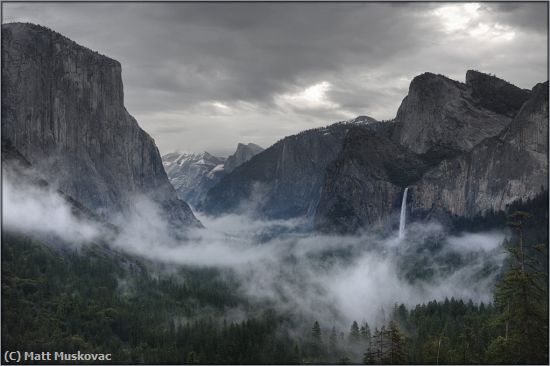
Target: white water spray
{"type": "Point", "coordinates": [403, 217]}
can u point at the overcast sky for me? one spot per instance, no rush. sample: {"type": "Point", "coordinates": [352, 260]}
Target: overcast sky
{"type": "Point", "coordinates": [205, 76]}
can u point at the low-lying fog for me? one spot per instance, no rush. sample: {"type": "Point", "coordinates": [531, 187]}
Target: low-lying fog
{"type": "Point", "coordinates": [335, 278]}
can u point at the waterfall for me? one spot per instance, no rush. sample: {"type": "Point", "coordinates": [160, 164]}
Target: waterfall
{"type": "Point", "coordinates": [403, 217]}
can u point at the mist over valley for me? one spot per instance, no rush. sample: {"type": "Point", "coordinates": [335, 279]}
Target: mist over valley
{"type": "Point", "coordinates": [421, 238]}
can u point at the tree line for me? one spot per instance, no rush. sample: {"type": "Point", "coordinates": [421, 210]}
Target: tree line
{"type": "Point", "coordinates": [94, 302]}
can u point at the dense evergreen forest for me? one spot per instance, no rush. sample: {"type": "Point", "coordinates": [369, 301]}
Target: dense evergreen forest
{"type": "Point", "coordinates": [95, 300]}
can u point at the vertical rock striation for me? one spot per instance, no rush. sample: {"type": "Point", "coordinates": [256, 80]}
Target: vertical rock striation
{"type": "Point", "coordinates": [63, 109]}
{"type": "Point", "coordinates": [500, 170]}
{"type": "Point", "coordinates": [463, 149]}
{"type": "Point", "coordinates": [286, 179]}
{"type": "Point", "coordinates": [442, 117]}
{"type": "Point", "coordinates": [364, 184]}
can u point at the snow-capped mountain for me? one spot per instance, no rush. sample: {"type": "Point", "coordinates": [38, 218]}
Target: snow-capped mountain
{"type": "Point", "coordinates": [193, 174]}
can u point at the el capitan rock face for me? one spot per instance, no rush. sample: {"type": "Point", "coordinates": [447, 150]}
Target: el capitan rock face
{"type": "Point", "coordinates": [63, 110]}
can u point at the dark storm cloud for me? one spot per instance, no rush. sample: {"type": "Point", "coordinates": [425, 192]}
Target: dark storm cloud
{"type": "Point", "coordinates": [533, 18]}
{"type": "Point", "coordinates": [220, 73]}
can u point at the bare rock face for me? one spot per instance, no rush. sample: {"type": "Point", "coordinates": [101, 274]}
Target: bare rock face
{"type": "Point", "coordinates": [243, 154]}
{"type": "Point", "coordinates": [443, 117]}
{"type": "Point", "coordinates": [63, 109]}
{"type": "Point", "coordinates": [364, 184]}
{"type": "Point", "coordinates": [495, 94]}
{"type": "Point", "coordinates": [497, 172]}
{"type": "Point", "coordinates": [286, 179]}
{"type": "Point", "coordinates": [192, 175]}
{"type": "Point", "coordinates": [496, 155]}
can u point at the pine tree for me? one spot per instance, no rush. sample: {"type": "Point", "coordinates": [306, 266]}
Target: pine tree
{"type": "Point", "coordinates": [365, 332]}
{"type": "Point", "coordinates": [522, 299]}
{"type": "Point", "coordinates": [354, 335]}
{"type": "Point", "coordinates": [366, 336]}
{"type": "Point", "coordinates": [316, 332]}
{"type": "Point", "coordinates": [397, 344]}
{"type": "Point", "coordinates": [377, 354]}
{"type": "Point", "coordinates": [316, 350]}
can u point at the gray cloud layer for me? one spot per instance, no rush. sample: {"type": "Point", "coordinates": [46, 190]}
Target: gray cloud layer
{"type": "Point", "coordinates": [204, 76]}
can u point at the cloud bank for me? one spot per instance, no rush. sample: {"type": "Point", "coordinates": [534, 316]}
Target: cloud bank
{"type": "Point", "coordinates": [277, 264]}
{"type": "Point", "coordinates": [205, 76]}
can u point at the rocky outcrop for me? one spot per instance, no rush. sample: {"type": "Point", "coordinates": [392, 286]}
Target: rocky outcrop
{"type": "Point", "coordinates": [442, 117]}
{"type": "Point", "coordinates": [192, 175]}
{"type": "Point", "coordinates": [489, 162]}
{"type": "Point", "coordinates": [63, 110]}
{"type": "Point", "coordinates": [364, 185]}
{"type": "Point", "coordinates": [509, 167]}
{"type": "Point", "coordinates": [284, 180]}
{"type": "Point", "coordinates": [495, 94]}
{"type": "Point", "coordinates": [243, 154]}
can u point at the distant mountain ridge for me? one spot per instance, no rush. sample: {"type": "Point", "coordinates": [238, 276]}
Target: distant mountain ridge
{"type": "Point", "coordinates": [286, 179]}
{"type": "Point", "coordinates": [63, 110]}
{"type": "Point", "coordinates": [192, 175]}
{"type": "Point", "coordinates": [243, 154]}
{"type": "Point", "coordinates": [462, 149]}
{"type": "Point", "coordinates": [352, 174]}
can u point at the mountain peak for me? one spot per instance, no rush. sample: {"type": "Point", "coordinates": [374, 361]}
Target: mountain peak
{"type": "Point", "coordinates": [29, 33]}
{"type": "Point", "coordinates": [362, 120]}
{"type": "Point", "coordinates": [243, 153]}
{"type": "Point", "coordinates": [474, 75]}
{"type": "Point", "coordinates": [430, 84]}
{"type": "Point", "coordinates": [249, 145]}
{"type": "Point", "coordinates": [496, 94]}
{"type": "Point", "coordinates": [444, 116]}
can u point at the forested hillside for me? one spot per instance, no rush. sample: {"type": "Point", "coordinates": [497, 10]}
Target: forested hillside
{"type": "Point", "coordinates": [96, 300]}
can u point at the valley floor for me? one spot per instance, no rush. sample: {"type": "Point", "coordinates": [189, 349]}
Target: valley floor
{"type": "Point", "coordinates": [98, 300]}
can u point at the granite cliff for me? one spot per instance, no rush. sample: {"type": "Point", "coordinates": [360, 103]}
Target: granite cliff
{"type": "Point", "coordinates": [462, 149]}
{"type": "Point", "coordinates": [442, 117]}
{"type": "Point", "coordinates": [243, 154]}
{"type": "Point", "coordinates": [63, 110]}
{"type": "Point", "coordinates": [363, 185]}
{"type": "Point", "coordinates": [286, 179]}
{"type": "Point", "coordinates": [192, 175]}
{"type": "Point", "coordinates": [500, 170]}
